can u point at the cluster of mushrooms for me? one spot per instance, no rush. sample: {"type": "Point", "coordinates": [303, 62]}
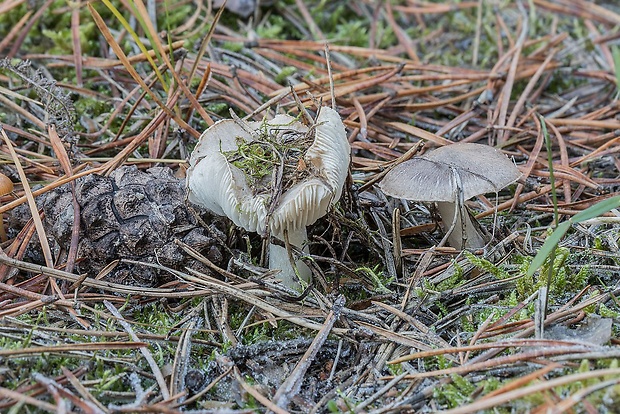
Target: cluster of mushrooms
{"type": "Point", "coordinates": [276, 177]}
{"type": "Point", "coordinates": [271, 202]}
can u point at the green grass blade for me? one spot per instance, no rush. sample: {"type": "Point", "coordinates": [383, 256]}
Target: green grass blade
{"type": "Point", "coordinates": [548, 247]}
{"type": "Point", "coordinates": [597, 210]}
{"type": "Point", "coordinates": [136, 38]}
{"type": "Point", "coordinates": [554, 195]}
{"type": "Point", "coordinates": [554, 198]}
{"type": "Point", "coordinates": [552, 241]}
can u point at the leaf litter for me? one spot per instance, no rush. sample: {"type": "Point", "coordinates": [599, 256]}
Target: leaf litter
{"type": "Point", "coordinates": [422, 328]}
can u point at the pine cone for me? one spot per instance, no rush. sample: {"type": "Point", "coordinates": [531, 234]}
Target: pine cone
{"type": "Point", "coordinates": [130, 215]}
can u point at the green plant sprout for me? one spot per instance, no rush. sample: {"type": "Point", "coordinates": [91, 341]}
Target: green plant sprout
{"type": "Point", "coordinates": [377, 278]}
{"type": "Point", "coordinates": [552, 241]}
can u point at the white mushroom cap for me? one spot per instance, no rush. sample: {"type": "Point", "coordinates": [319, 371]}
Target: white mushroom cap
{"type": "Point", "coordinates": [222, 188]}
{"type": "Point", "coordinates": [329, 155]}
{"type": "Point", "coordinates": [482, 169]}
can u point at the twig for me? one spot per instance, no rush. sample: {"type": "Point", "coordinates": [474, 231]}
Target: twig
{"type": "Point", "coordinates": [163, 387]}
{"type": "Point", "coordinates": [290, 387]}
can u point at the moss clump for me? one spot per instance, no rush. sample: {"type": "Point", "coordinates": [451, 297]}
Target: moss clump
{"type": "Point", "coordinates": [276, 155]}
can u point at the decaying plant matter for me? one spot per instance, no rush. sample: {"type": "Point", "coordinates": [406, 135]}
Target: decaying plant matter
{"type": "Point", "coordinates": [131, 215]}
{"type": "Point", "coordinates": [138, 304]}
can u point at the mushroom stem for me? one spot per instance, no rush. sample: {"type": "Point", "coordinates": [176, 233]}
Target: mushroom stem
{"type": "Point", "coordinates": [279, 259]}
{"type": "Point", "coordinates": [460, 229]}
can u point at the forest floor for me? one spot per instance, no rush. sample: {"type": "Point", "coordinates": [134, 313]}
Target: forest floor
{"type": "Point", "coordinates": [112, 311]}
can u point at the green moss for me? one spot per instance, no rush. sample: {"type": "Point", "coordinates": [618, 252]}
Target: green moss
{"type": "Point", "coordinates": [606, 312]}
{"type": "Point", "coordinates": [454, 394]}
{"type": "Point", "coordinates": [377, 278]}
{"type": "Point", "coordinates": [486, 266]}
{"type": "Point", "coordinates": [267, 154]}
{"type": "Point", "coordinates": [352, 33]}
{"type": "Point", "coordinates": [285, 72]}
{"type": "Point", "coordinates": [233, 46]}
{"type": "Point", "coordinates": [62, 39]}
{"type": "Point", "coordinates": [275, 27]}
{"type": "Point", "coordinates": [454, 281]}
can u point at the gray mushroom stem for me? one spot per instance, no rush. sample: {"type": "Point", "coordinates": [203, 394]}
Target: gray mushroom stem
{"type": "Point", "coordinates": [279, 259]}
{"type": "Point", "coordinates": [460, 229]}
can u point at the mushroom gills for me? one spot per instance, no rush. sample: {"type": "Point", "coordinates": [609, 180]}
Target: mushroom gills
{"type": "Point", "coordinates": [221, 178]}
{"type": "Point", "coordinates": [448, 176]}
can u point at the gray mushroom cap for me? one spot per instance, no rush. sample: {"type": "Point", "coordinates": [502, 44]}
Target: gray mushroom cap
{"type": "Point", "coordinates": [481, 169]}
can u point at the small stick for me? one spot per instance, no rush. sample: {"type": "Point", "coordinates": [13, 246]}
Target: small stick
{"type": "Point", "coordinates": [290, 387]}
{"type": "Point", "coordinates": [163, 387]}
{"type": "Point", "coordinates": [329, 74]}
{"type": "Point", "coordinates": [47, 252]}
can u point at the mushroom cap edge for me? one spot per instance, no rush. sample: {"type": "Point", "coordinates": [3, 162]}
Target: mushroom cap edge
{"type": "Point", "coordinates": [482, 169]}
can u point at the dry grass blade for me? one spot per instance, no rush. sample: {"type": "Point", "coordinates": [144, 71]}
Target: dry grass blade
{"type": "Point", "coordinates": [24, 399]}
{"type": "Point", "coordinates": [134, 74]}
{"type": "Point", "coordinates": [81, 389]}
{"type": "Point", "coordinates": [85, 347]}
{"type": "Point", "coordinates": [77, 45]}
{"type": "Point", "coordinates": [524, 380]}
{"type": "Point", "coordinates": [182, 358]}
{"type": "Point", "coordinates": [256, 394]}
{"type": "Point", "coordinates": [179, 82]}
{"type": "Point", "coordinates": [61, 393]}
{"type": "Point", "coordinates": [420, 133]}
{"type": "Point", "coordinates": [144, 350]}
{"type": "Point", "coordinates": [47, 253]}
{"type": "Point", "coordinates": [478, 347]}
{"type": "Point", "coordinates": [579, 396]}
{"type": "Point", "coordinates": [10, 4]}
{"type": "Point", "coordinates": [203, 49]}
{"type": "Point", "coordinates": [499, 361]}
{"type": "Point", "coordinates": [504, 98]}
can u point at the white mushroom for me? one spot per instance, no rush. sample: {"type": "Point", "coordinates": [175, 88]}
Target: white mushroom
{"type": "Point", "coordinates": [311, 163]}
{"type": "Point", "coordinates": [448, 176]}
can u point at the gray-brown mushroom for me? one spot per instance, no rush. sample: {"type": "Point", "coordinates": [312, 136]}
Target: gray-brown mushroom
{"type": "Point", "coordinates": [448, 176]}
